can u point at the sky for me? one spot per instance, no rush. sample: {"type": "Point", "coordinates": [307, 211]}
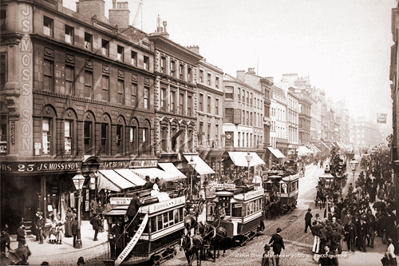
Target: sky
{"type": "Point", "coordinates": [342, 45]}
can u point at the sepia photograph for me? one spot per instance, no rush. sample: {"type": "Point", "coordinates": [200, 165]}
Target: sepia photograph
{"type": "Point", "coordinates": [199, 132]}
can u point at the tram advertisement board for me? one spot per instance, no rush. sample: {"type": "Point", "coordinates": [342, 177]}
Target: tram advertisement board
{"type": "Point", "coordinates": [253, 194]}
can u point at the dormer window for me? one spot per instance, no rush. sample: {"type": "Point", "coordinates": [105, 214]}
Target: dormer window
{"type": "Point", "coordinates": [88, 41]}
{"type": "Point", "coordinates": [119, 56]}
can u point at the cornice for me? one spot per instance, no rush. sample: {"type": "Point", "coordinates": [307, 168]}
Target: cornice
{"type": "Point", "coordinates": [82, 51]}
{"type": "Point", "coordinates": [163, 76]}
{"type": "Point", "coordinates": [163, 40]}
{"type": "Point", "coordinates": [210, 89]}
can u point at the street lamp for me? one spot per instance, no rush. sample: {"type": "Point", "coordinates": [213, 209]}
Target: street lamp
{"type": "Point", "coordinates": [248, 157]}
{"type": "Point", "coordinates": [78, 181]}
{"type": "Point", "coordinates": [193, 165]}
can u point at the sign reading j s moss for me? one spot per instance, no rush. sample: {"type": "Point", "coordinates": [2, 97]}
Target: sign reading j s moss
{"type": "Point", "coordinates": [39, 167]}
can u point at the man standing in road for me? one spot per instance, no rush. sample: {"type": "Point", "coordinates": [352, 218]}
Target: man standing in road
{"type": "Point", "coordinates": [74, 229]}
{"type": "Point", "coordinates": [40, 227]}
{"type": "Point", "coordinates": [308, 220]}
{"type": "Point", "coordinates": [21, 235]}
{"type": "Point", "coordinates": [277, 243]}
{"type": "Point", "coordinates": [96, 226]}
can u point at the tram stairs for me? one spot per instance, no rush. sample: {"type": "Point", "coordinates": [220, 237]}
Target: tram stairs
{"type": "Point", "coordinates": [132, 243]}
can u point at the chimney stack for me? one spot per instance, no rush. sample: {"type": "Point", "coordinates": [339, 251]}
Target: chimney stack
{"type": "Point", "coordinates": [119, 14]}
{"type": "Point", "coordinates": [194, 49]}
{"type": "Point", "coordinates": [89, 8]}
{"type": "Point", "coordinates": [271, 79]}
{"type": "Point", "coordinates": [251, 71]}
{"type": "Point", "coordinates": [241, 75]}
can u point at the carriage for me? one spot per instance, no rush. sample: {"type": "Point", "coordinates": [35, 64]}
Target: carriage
{"type": "Point", "coordinates": [282, 191]}
{"type": "Point", "coordinates": [159, 231]}
{"type": "Point", "coordinates": [327, 187]}
{"type": "Point", "coordinates": [243, 208]}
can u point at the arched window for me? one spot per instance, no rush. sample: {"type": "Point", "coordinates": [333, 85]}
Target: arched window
{"type": "Point", "coordinates": [145, 138]}
{"type": "Point", "coordinates": [48, 130]}
{"type": "Point", "coordinates": [133, 137]}
{"type": "Point", "coordinates": [173, 131]}
{"type": "Point", "coordinates": [105, 145]}
{"type": "Point", "coordinates": [190, 136]}
{"type": "Point", "coordinates": [88, 133]}
{"type": "Point", "coordinates": [182, 136]}
{"type": "Point", "coordinates": [119, 135]}
{"type": "Point", "coordinates": [69, 139]}
{"type": "Point", "coordinates": [164, 125]}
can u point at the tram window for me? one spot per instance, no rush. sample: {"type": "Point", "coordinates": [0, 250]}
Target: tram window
{"type": "Point", "coordinates": [146, 229]}
{"type": "Point", "coordinates": [159, 222]}
{"type": "Point", "coordinates": [237, 210]}
{"type": "Point", "coordinates": [171, 220]}
{"type": "Point", "coordinates": [181, 214]}
{"type": "Point", "coordinates": [176, 216]}
{"type": "Point", "coordinates": [165, 220]}
{"type": "Point", "coordinates": [256, 206]}
{"type": "Point", "coordinates": [153, 224]}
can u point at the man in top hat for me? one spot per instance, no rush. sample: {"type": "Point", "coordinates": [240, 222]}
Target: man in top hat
{"type": "Point", "coordinates": [277, 243]}
{"type": "Point", "coordinates": [308, 220]}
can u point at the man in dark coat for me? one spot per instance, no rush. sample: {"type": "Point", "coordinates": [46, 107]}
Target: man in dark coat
{"type": "Point", "coordinates": [350, 235]}
{"type": "Point", "coordinates": [361, 234]}
{"type": "Point", "coordinates": [324, 237]}
{"type": "Point", "coordinates": [96, 226]}
{"type": "Point", "coordinates": [148, 184]}
{"type": "Point", "coordinates": [336, 241]}
{"type": "Point", "coordinates": [21, 235]}
{"type": "Point", "coordinates": [277, 243]}
{"type": "Point", "coordinates": [308, 220]}
{"type": "Point", "coordinates": [371, 228]}
{"type": "Point", "coordinates": [40, 223]}
{"type": "Point", "coordinates": [74, 230]}
{"type": "Point", "coordinates": [5, 240]}
{"type": "Point", "coordinates": [115, 240]}
{"type": "Point", "coordinates": [131, 212]}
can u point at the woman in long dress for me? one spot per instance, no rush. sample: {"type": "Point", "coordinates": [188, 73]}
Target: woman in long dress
{"type": "Point", "coordinates": [69, 217]}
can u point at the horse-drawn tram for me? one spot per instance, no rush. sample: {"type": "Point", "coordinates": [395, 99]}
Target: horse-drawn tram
{"type": "Point", "coordinates": [152, 235]}
{"type": "Point", "coordinates": [239, 209]}
{"type": "Point", "coordinates": [282, 192]}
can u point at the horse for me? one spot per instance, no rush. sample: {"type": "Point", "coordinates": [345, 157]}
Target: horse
{"type": "Point", "coordinates": [191, 246]}
{"type": "Point", "coordinates": [217, 239]}
{"type": "Point", "coordinates": [17, 256]}
{"type": "Point", "coordinates": [190, 222]}
{"type": "Point", "coordinates": [320, 198]}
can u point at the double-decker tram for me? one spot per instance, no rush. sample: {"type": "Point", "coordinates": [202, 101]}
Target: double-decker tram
{"type": "Point", "coordinates": [243, 215]}
{"type": "Point", "coordinates": [152, 235]}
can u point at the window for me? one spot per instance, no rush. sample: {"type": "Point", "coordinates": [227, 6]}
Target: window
{"type": "Point", "coordinates": [217, 107]}
{"type": "Point", "coordinates": [189, 105]}
{"type": "Point", "coordinates": [181, 71]}
{"type": "Point", "coordinates": [145, 139]}
{"type": "Point", "coordinates": [69, 34]}
{"type": "Point", "coordinates": [189, 74]}
{"type": "Point", "coordinates": [3, 134]}
{"type": "Point", "coordinates": [48, 74]}
{"type": "Point", "coordinates": [105, 47]}
{"type": "Point", "coordinates": [120, 54]}
{"type": "Point", "coordinates": [119, 138]}
{"type": "Point", "coordinates": [239, 139]}
{"type": "Point", "coordinates": [88, 44]}
{"type": "Point", "coordinates": [146, 98]}
{"type": "Point", "coordinates": [243, 96]}
{"type": "Point", "coordinates": [121, 91]}
{"type": "Point", "coordinates": [69, 80]}
{"type": "Point", "coordinates": [217, 83]}
{"type": "Point", "coordinates": [201, 132]}
{"type": "Point", "coordinates": [105, 87]}
{"type": "Point", "coordinates": [201, 75]}
{"type": "Point", "coordinates": [68, 137]}
{"type": "Point", "coordinates": [247, 97]}
{"type": "Point", "coordinates": [172, 101]}
{"type": "Point", "coordinates": [216, 136]}
{"type": "Point", "coordinates": [3, 19]}
{"type": "Point", "coordinates": [172, 68]}
{"type": "Point", "coordinates": [209, 79]}
{"type": "Point", "coordinates": [87, 130]}
{"type": "Point", "coordinates": [247, 118]}
{"type": "Point", "coordinates": [164, 135]}
{"type": "Point", "coordinates": [250, 119]}
{"type": "Point", "coordinates": [209, 134]}
{"type": "Point", "coordinates": [243, 117]}
{"type": "Point", "coordinates": [88, 84]}
{"type": "Point", "coordinates": [163, 99]}
{"type": "Point", "coordinates": [181, 103]}
{"type": "Point", "coordinates": [46, 135]}
{"type": "Point", "coordinates": [146, 63]}
{"type": "Point", "coordinates": [251, 100]}
{"type": "Point", "coordinates": [48, 26]}
{"type": "Point", "coordinates": [104, 139]}
{"type": "Point", "coordinates": [3, 70]}
{"type": "Point", "coordinates": [229, 115]}
{"type": "Point", "coordinates": [163, 64]}
{"type": "Point", "coordinates": [201, 102]}
{"type": "Point", "coordinates": [134, 95]}
{"type": "Point", "coordinates": [209, 104]}
{"type": "Point", "coordinates": [133, 56]}
{"type": "Point", "coordinates": [229, 92]}
{"type": "Point", "coordinates": [133, 139]}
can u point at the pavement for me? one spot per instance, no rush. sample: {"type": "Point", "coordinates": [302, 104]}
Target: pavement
{"type": "Point", "coordinates": [65, 253]}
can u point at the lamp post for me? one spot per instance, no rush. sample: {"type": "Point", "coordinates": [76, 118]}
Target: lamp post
{"type": "Point", "coordinates": [354, 164]}
{"type": "Point", "coordinates": [193, 165]}
{"type": "Point", "coordinates": [78, 181]}
{"type": "Point", "coordinates": [248, 157]}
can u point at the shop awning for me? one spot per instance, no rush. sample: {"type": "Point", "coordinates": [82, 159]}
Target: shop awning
{"type": "Point", "coordinates": [239, 158]}
{"type": "Point", "coordinates": [172, 172]}
{"type": "Point", "coordinates": [132, 177]}
{"type": "Point", "coordinates": [202, 168]}
{"type": "Point", "coordinates": [111, 180]}
{"type": "Point", "coordinates": [276, 152]}
{"type": "Point", "coordinates": [325, 145]}
{"type": "Point", "coordinates": [151, 172]}
{"type": "Point", "coordinates": [302, 151]}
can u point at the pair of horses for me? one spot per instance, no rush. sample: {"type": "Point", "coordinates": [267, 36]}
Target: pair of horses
{"type": "Point", "coordinates": [203, 234]}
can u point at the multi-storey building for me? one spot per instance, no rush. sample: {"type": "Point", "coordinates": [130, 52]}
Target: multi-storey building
{"type": "Point", "coordinates": [209, 111]}
{"type": "Point", "coordinates": [77, 94]}
{"type": "Point", "coordinates": [279, 112]}
{"type": "Point", "coordinates": [243, 122]}
{"type": "Point", "coordinates": [292, 119]}
{"type": "Point", "coordinates": [305, 105]}
{"type": "Point", "coordinates": [364, 133]}
{"type": "Point", "coordinates": [176, 69]}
